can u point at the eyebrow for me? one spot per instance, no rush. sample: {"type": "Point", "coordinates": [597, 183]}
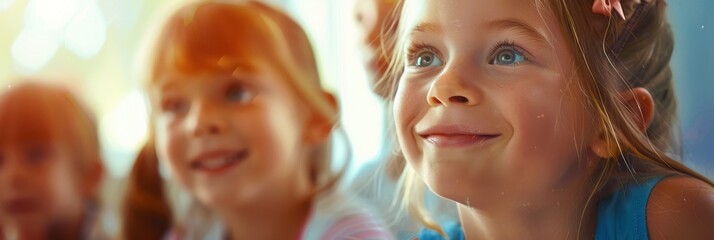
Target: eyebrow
{"type": "Point", "coordinates": [508, 23]}
{"type": "Point", "coordinates": [519, 25]}
{"type": "Point", "coordinates": [426, 27]}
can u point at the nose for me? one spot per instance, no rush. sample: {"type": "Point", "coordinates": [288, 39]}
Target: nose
{"type": "Point", "coordinates": [205, 119]}
{"type": "Point", "coordinates": [451, 88]}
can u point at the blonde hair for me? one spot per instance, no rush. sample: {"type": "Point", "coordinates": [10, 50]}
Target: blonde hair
{"type": "Point", "coordinates": [611, 55]}
{"type": "Point", "coordinates": [212, 36]}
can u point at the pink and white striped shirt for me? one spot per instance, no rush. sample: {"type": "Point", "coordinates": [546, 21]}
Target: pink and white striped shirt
{"type": "Point", "coordinates": [357, 227]}
{"type": "Point", "coordinates": [336, 217]}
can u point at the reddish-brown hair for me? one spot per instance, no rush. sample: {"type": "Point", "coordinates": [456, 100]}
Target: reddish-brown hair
{"type": "Point", "coordinates": [33, 112]}
{"type": "Point", "coordinates": [211, 36]}
{"type": "Point", "coordinates": [36, 113]}
{"type": "Point", "coordinates": [145, 213]}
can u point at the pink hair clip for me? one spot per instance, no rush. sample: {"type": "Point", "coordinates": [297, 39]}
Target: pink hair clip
{"type": "Point", "coordinates": [605, 7]}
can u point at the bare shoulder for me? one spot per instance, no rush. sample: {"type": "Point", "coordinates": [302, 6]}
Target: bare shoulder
{"type": "Point", "coordinates": [681, 208]}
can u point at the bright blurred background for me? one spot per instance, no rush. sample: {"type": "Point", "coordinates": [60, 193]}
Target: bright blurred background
{"type": "Point", "coordinates": [95, 46]}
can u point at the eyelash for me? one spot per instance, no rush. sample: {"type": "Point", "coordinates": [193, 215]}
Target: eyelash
{"type": "Point", "coordinates": [247, 94]}
{"type": "Point", "coordinates": [508, 44]}
{"type": "Point", "coordinates": [417, 48]}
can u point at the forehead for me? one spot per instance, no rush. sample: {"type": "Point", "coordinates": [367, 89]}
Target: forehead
{"type": "Point", "coordinates": [476, 17]}
{"type": "Point", "coordinates": [34, 115]}
{"type": "Point", "coordinates": [217, 37]}
{"type": "Point", "coordinates": [245, 72]}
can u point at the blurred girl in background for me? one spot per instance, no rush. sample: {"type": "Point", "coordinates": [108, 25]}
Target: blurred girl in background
{"type": "Point", "coordinates": [50, 165]}
{"type": "Point", "coordinates": [241, 121]}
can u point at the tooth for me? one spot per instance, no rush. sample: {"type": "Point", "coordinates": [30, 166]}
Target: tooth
{"type": "Point", "coordinates": [214, 163]}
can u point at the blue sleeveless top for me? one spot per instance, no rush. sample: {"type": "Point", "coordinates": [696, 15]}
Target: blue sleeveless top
{"type": "Point", "coordinates": [452, 229]}
{"type": "Point", "coordinates": [622, 215]}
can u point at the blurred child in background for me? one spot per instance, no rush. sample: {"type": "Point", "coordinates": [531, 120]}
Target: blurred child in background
{"type": "Point", "coordinates": [50, 165]}
{"type": "Point", "coordinates": [243, 125]}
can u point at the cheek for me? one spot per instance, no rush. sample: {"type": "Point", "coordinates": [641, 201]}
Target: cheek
{"type": "Point", "coordinates": [63, 184]}
{"type": "Point", "coordinates": [548, 132]}
{"type": "Point", "coordinates": [167, 139]}
{"type": "Point", "coordinates": [278, 134]}
{"type": "Point", "coordinates": [409, 104]}
{"type": "Point", "coordinates": [535, 122]}
{"type": "Point", "coordinates": [543, 112]}
{"type": "Point", "coordinates": [169, 147]}
{"type": "Point", "coordinates": [540, 117]}
{"type": "Point", "coordinates": [556, 117]}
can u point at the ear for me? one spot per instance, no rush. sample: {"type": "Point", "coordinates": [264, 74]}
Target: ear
{"type": "Point", "coordinates": [640, 105]}
{"type": "Point", "coordinates": [602, 147]}
{"type": "Point", "coordinates": [319, 126]}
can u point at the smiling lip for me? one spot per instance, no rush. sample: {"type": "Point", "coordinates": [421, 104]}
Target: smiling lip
{"type": "Point", "coordinates": [217, 161]}
{"type": "Point", "coordinates": [455, 136]}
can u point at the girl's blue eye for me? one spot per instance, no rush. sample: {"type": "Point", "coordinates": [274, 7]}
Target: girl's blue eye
{"type": "Point", "coordinates": [240, 94]}
{"type": "Point", "coordinates": [427, 59]}
{"type": "Point", "coordinates": [508, 55]}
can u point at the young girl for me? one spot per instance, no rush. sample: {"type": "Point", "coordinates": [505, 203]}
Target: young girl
{"type": "Point", "coordinates": [243, 125]}
{"type": "Point", "coordinates": [545, 119]}
{"type": "Point", "coordinates": [50, 165]}
{"type": "Point", "coordinates": [377, 181]}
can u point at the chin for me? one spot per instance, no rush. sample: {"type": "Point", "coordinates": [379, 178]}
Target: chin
{"type": "Point", "coordinates": [467, 190]}
{"type": "Point", "coordinates": [445, 184]}
{"type": "Point", "coordinates": [236, 196]}
{"type": "Point", "coordinates": [471, 197]}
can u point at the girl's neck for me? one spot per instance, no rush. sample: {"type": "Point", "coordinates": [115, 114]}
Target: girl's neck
{"type": "Point", "coordinates": [270, 220]}
{"type": "Point", "coordinates": [558, 214]}
{"type": "Point", "coordinates": [280, 213]}
{"type": "Point", "coordinates": [547, 222]}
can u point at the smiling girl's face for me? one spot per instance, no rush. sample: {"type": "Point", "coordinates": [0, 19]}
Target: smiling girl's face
{"type": "Point", "coordinates": [488, 105]}
{"type": "Point", "coordinates": [227, 118]}
{"type": "Point", "coordinates": [230, 138]}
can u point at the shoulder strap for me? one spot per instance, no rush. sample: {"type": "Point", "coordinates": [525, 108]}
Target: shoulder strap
{"type": "Point", "coordinates": [622, 215]}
